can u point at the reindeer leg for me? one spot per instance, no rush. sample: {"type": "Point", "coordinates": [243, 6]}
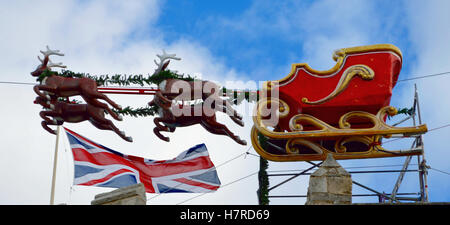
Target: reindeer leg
{"type": "Point", "coordinates": [232, 116]}
{"type": "Point", "coordinates": [109, 125]}
{"type": "Point", "coordinates": [237, 121]}
{"type": "Point", "coordinates": [97, 118]}
{"type": "Point", "coordinates": [172, 129]}
{"type": "Point", "coordinates": [46, 114]}
{"type": "Point", "coordinates": [230, 109]}
{"type": "Point", "coordinates": [214, 127]}
{"type": "Point", "coordinates": [104, 106]}
{"type": "Point", "coordinates": [157, 121]}
{"type": "Point", "coordinates": [47, 121]}
{"type": "Point", "coordinates": [226, 107]}
{"type": "Point", "coordinates": [156, 130]}
{"type": "Point", "coordinates": [160, 128]}
{"type": "Point", "coordinates": [44, 125]}
{"type": "Point", "coordinates": [39, 87]}
{"type": "Point", "coordinates": [92, 92]}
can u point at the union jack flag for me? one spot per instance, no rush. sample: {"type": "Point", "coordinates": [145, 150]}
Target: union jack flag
{"type": "Point", "coordinates": [96, 165]}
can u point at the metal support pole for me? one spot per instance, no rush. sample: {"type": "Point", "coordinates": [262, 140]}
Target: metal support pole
{"type": "Point", "coordinates": [55, 163]}
{"type": "Point", "coordinates": [303, 172]}
{"type": "Point", "coordinates": [351, 172]}
{"type": "Point", "coordinates": [354, 195]}
{"type": "Point", "coordinates": [422, 163]}
{"type": "Point", "coordinates": [400, 177]}
{"type": "Point", "coordinates": [418, 142]}
{"type": "Point", "coordinates": [372, 190]}
{"type": "Point", "coordinates": [408, 158]}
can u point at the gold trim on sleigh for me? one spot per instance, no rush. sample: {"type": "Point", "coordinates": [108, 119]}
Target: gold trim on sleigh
{"type": "Point", "coordinates": [325, 130]}
{"type": "Point", "coordinates": [363, 71]}
{"type": "Point", "coordinates": [294, 142]}
{"type": "Point", "coordinates": [339, 57]}
{"type": "Point", "coordinates": [294, 154]}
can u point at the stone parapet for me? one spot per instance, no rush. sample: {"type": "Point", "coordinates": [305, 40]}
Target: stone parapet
{"type": "Point", "coordinates": [330, 185]}
{"type": "Point", "coordinates": [131, 195]}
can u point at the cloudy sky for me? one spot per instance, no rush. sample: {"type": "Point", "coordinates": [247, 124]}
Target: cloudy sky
{"type": "Point", "coordinates": [237, 43]}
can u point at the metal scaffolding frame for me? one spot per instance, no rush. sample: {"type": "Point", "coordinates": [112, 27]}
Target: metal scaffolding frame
{"type": "Point", "coordinates": [394, 196]}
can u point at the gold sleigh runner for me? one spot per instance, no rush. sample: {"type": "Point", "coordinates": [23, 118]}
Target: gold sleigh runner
{"type": "Point", "coordinates": [321, 138]}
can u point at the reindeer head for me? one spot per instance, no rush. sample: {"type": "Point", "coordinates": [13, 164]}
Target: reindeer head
{"type": "Point", "coordinates": [46, 64]}
{"type": "Point", "coordinates": [41, 101]}
{"type": "Point", "coordinates": [164, 61]}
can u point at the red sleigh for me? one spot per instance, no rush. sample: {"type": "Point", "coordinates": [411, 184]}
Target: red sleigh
{"type": "Point", "coordinates": [341, 111]}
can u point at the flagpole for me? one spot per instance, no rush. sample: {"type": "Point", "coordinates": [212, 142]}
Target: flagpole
{"type": "Point", "coordinates": [55, 163]}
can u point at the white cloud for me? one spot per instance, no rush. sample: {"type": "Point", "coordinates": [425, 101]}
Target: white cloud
{"type": "Point", "coordinates": [100, 37]}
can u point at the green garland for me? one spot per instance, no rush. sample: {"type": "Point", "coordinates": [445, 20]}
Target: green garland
{"type": "Point", "coordinates": [119, 79]}
{"type": "Point", "coordinates": [123, 80]}
{"type": "Point", "coordinates": [406, 111]}
{"type": "Point", "coordinates": [141, 111]}
{"type": "Point", "coordinates": [238, 96]}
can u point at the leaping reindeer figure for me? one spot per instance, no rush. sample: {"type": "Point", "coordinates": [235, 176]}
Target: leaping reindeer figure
{"type": "Point", "coordinates": [181, 90]}
{"type": "Point", "coordinates": [207, 120]}
{"type": "Point", "coordinates": [53, 85]}
{"type": "Point", "coordinates": [74, 113]}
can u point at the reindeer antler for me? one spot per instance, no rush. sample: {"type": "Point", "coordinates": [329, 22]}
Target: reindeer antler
{"type": "Point", "coordinates": [51, 52]}
{"type": "Point", "coordinates": [47, 62]}
{"type": "Point", "coordinates": [162, 61]}
{"type": "Point", "coordinates": [51, 64]}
